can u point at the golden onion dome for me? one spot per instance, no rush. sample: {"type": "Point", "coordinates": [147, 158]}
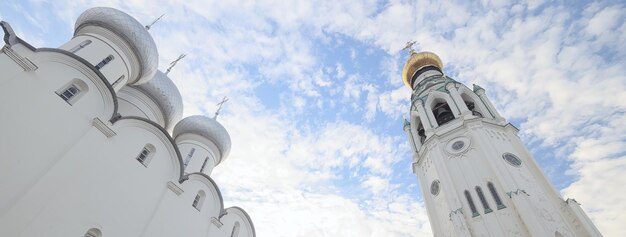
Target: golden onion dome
{"type": "Point", "coordinates": [416, 62]}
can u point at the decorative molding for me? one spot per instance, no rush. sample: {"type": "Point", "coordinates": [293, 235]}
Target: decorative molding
{"type": "Point", "coordinates": [454, 212]}
{"type": "Point", "coordinates": [172, 186]}
{"type": "Point", "coordinates": [24, 63]}
{"type": "Point", "coordinates": [477, 89]}
{"type": "Point", "coordinates": [103, 127]}
{"type": "Point", "coordinates": [517, 192]}
{"type": "Point", "coordinates": [465, 142]}
{"type": "Point", "coordinates": [571, 200]}
{"type": "Point", "coordinates": [216, 222]}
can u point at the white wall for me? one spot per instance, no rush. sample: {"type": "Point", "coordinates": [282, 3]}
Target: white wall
{"type": "Point", "coordinates": [62, 174]}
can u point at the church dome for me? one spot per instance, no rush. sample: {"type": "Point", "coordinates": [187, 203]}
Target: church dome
{"type": "Point", "coordinates": [130, 30]}
{"type": "Point", "coordinates": [163, 91]}
{"type": "Point", "coordinates": [208, 128]}
{"type": "Point", "coordinates": [418, 61]}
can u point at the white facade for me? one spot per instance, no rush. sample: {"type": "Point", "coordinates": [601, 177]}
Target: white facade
{"type": "Point", "coordinates": [92, 145]}
{"type": "Point", "coordinates": [476, 176]}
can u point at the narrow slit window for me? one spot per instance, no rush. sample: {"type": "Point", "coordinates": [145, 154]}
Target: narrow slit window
{"type": "Point", "coordinates": [495, 195]}
{"type": "Point", "coordinates": [235, 231]}
{"type": "Point", "coordinates": [80, 46]}
{"type": "Point", "coordinates": [483, 201]}
{"type": "Point", "coordinates": [104, 62]}
{"type": "Point", "coordinates": [468, 196]}
{"type": "Point", "coordinates": [206, 159]}
{"type": "Point", "coordinates": [188, 158]}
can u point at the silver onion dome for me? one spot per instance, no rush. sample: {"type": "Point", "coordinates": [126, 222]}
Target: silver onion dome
{"type": "Point", "coordinates": [207, 128]}
{"type": "Point", "coordinates": [130, 30]}
{"type": "Point", "coordinates": [163, 91]}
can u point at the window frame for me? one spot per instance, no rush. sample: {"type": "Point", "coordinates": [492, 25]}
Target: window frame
{"type": "Point", "coordinates": [76, 84]}
{"type": "Point", "coordinates": [149, 151]}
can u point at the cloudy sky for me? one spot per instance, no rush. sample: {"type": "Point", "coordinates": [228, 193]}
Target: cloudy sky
{"type": "Point", "coordinates": [317, 101]}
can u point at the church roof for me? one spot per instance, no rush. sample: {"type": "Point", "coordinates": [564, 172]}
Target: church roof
{"type": "Point", "coordinates": [418, 61]}
{"type": "Point", "coordinates": [163, 91]}
{"type": "Point", "coordinates": [130, 30]}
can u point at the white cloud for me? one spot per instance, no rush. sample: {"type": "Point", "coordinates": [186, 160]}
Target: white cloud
{"type": "Point", "coordinates": [559, 70]}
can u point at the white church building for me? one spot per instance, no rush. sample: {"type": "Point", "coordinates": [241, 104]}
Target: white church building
{"type": "Point", "coordinates": [476, 176]}
{"type": "Point", "coordinates": [92, 143]}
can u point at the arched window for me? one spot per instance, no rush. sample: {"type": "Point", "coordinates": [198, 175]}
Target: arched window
{"type": "Point", "coordinates": [146, 154]}
{"type": "Point", "coordinates": [197, 202]}
{"type": "Point", "coordinates": [483, 201]}
{"type": "Point", "coordinates": [472, 106]}
{"type": "Point", "coordinates": [442, 112]}
{"type": "Point", "coordinates": [72, 91]}
{"type": "Point", "coordinates": [495, 195]}
{"type": "Point", "coordinates": [93, 232]}
{"type": "Point", "coordinates": [235, 231]}
{"type": "Point", "coordinates": [468, 196]}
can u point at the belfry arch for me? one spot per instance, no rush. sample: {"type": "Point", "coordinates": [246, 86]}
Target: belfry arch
{"type": "Point", "coordinates": [473, 103]}
{"type": "Point", "coordinates": [441, 108]}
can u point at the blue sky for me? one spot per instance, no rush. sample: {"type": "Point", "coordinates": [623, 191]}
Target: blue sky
{"type": "Point", "coordinates": [317, 102]}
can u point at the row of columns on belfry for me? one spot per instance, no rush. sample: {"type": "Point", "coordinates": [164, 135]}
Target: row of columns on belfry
{"type": "Point", "coordinates": [452, 95]}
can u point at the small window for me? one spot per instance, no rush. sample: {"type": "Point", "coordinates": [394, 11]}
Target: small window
{"type": "Point", "coordinates": [235, 231]}
{"type": "Point", "coordinates": [72, 91]}
{"type": "Point", "coordinates": [197, 202]}
{"type": "Point", "coordinates": [93, 232]}
{"type": "Point", "coordinates": [146, 154]}
{"type": "Point", "coordinates": [143, 155]}
{"type": "Point", "coordinates": [495, 195]}
{"type": "Point", "coordinates": [104, 62]}
{"type": "Point", "coordinates": [468, 196]}
{"type": "Point", "coordinates": [483, 201]}
{"type": "Point", "coordinates": [512, 159]}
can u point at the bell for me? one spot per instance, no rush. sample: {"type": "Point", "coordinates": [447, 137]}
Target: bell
{"type": "Point", "coordinates": [422, 134]}
{"type": "Point", "coordinates": [442, 113]}
{"type": "Point", "coordinates": [470, 105]}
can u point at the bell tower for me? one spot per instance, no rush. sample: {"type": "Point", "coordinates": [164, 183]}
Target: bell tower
{"type": "Point", "coordinates": [476, 176]}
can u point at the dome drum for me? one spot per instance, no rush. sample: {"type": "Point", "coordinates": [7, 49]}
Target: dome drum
{"type": "Point", "coordinates": [207, 128]}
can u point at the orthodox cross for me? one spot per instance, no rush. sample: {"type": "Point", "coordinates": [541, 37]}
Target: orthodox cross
{"type": "Point", "coordinates": [173, 63]}
{"type": "Point", "coordinates": [155, 21]}
{"type": "Point", "coordinates": [409, 46]}
{"type": "Point", "coordinates": [219, 106]}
